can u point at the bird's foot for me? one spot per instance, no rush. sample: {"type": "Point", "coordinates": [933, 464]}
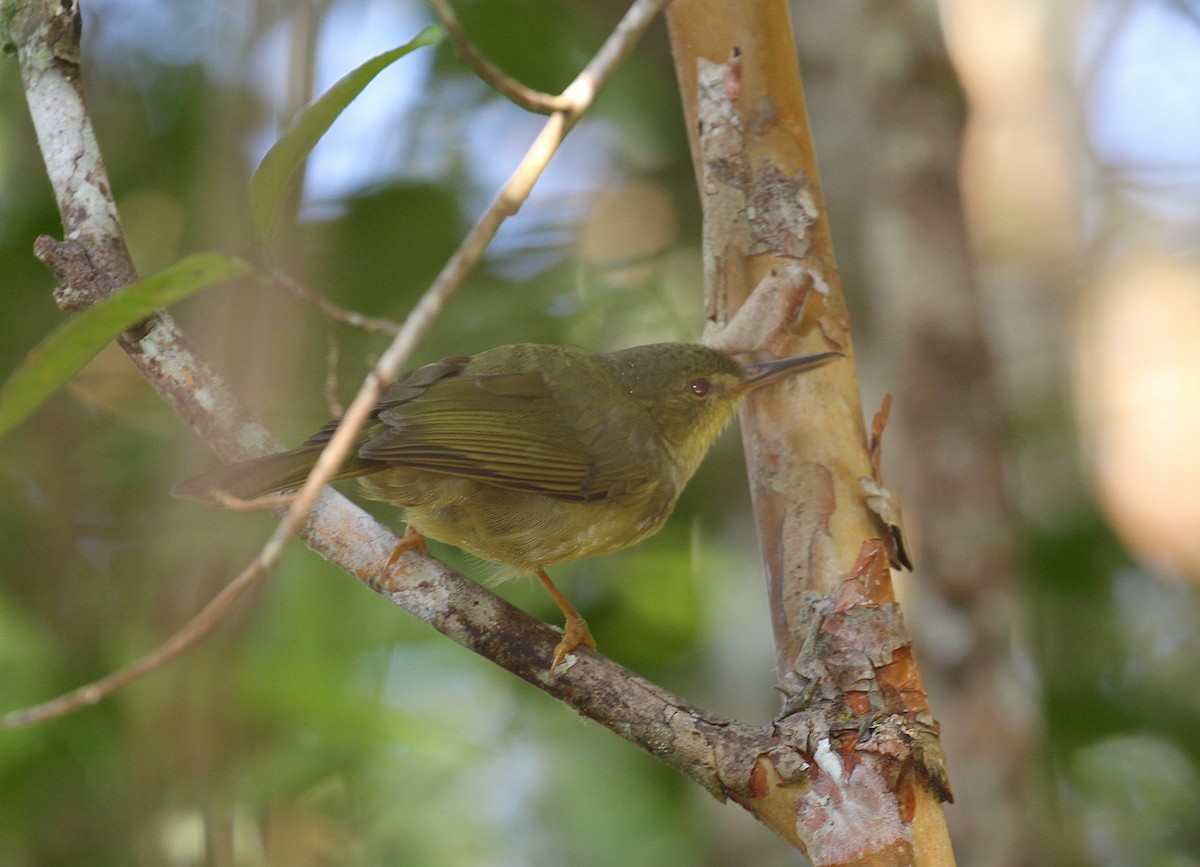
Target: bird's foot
{"type": "Point", "coordinates": [575, 634]}
{"type": "Point", "coordinates": [412, 540]}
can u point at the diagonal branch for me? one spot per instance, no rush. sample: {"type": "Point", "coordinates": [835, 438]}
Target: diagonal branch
{"type": "Point", "coordinates": [526, 97]}
{"type": "Point", "coordinates": [201, 625]}
{"type": "Point", "coordinates": [332, 311]}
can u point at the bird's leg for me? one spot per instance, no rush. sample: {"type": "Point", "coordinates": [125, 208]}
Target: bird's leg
{"type": "Point", "coordinates": [412, 540]}
{"type": "Point", "coordinates": [575, 630]}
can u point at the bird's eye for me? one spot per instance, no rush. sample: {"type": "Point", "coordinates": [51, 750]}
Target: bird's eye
{"type": "Point", "coordinates": [698, 387]}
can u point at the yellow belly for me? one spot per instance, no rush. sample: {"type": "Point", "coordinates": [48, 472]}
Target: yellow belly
{"type": "Point", "coordinates": [521, 532]}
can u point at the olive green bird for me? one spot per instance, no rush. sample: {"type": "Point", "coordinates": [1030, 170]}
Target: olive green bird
{"type": "Point", "coordinates": [529, 455]}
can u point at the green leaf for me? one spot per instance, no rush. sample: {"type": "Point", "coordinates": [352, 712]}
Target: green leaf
{"type": "Point", "coordinates": [66, 350]}
{"type": "Point", "coordinates": [270, 179]}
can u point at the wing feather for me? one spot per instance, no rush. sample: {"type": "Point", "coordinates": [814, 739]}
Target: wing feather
{"type": "Point", "coordinates": [504, 429]}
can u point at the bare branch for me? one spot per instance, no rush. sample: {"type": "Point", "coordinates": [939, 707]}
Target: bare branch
{"type": "Point", "coordinates": [202, 624]}
{"type": "Point", "coordinates": [526, 97]}
{"type": "Point", "coordinates": [93, 261]}
{"type": "Point", "coordinates": [331, 310]}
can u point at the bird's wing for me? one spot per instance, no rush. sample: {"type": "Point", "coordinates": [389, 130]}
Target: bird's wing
{"type": "Point", "coordinates": [409, 386]}
{"type": "Point", "coordinates": [503, 429]}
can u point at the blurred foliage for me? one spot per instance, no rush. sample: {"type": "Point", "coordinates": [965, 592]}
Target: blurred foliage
{"type": "Point", "coordinates": [322, 725]}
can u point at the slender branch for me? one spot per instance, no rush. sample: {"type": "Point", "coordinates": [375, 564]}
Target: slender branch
{"type": "Point", "coordinates": [331, 310]}
{"type": "Point", "coordinates": [202, 624]}
{"type": "Point", "coordinates": [526, 97]}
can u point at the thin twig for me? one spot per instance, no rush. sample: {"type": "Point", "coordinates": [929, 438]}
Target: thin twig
{"type": "Point", "coordinates": [203, 623]}
{"type": "Point", "coordinates": [578, 96]}
{"type": "Point", "coordinates": [334, 312]}
{"type": "Point", "coordinates": [526, 97]}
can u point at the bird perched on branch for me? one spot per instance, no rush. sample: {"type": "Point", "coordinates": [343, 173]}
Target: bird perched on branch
{"type": "Point", "coordinates": [529, 455]}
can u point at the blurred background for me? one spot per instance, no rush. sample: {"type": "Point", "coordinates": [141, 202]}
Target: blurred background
{"type": "Point", "coordinates": [1014, 191]}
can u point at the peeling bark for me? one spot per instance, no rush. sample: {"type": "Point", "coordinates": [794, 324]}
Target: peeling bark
{"type": "Point", "coordinates": [867, 772]}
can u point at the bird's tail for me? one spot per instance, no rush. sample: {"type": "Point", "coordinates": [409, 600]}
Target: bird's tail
{"type": "Point", "coordinates": [269, 475]}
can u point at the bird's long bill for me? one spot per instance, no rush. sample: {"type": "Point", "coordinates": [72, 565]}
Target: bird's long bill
{"type": "Point", "coordinates": [764, 372]}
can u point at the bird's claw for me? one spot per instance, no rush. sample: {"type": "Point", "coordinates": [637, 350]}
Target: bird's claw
{"type": "Point", "coordinates": [412, 540]}
{"type": "Point", "coordinates": [575, 634]}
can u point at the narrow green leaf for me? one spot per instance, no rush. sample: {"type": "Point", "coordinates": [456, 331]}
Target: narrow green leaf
{"type": "Point", "coordinates": [65, 351]}
{"type": "Point", "coordinates": [286, 155]}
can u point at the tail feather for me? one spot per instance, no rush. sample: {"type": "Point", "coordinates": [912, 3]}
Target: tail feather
{"type": "Point", "coordinates": [269, 475]}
